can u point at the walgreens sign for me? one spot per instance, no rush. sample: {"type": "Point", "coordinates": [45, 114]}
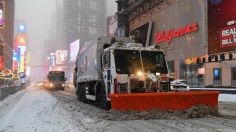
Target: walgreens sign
{"type": "Point", "coordinates": [169, 35]}
{"type": "Point", "coordinates": [228, 36]}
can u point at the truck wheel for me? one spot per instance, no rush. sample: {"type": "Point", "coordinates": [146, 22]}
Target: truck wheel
{"type": "Point", "coordinates": [82, 94]}
{"type": "Point", "coordinates": [102, 99]}
{"type": "Point", "coordinates": [63, 88]}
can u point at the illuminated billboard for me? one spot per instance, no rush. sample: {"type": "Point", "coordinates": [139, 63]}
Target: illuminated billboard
{"type": "Point", "coordinates": [228, 36]}
{"type": "Point", "coordinates": [1, 63]}
{"type": "Point", "coordinates": [61, 56]}
{"type": "Point", "coordinates": [112, 25]}
{"type": "Point", "coordinates": [21, 40]}
{"type": "Point", "coordinates": [221, 26]}
{"type": "Point", "coordinates": [74, 49]}
{"type": "Point", "coordinates": [2, 13]}
{"type": "Point", "coordinates": [22, 54]}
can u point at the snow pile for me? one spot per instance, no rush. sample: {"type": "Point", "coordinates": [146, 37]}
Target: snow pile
{"type": "Point", "coordinates": [9, 102]}
{"type": "Point", "coordinates": [227, 97]}
{"type": "Point", "coordinates": [193, 112]}
{"type": "Point", "coordinates": [37, 111]}
{"type": "Point", "coordinates": [73, 106]}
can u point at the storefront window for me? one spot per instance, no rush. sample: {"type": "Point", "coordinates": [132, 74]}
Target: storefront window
{"type": "Point", "coordinates": [234, 73]}
{"type": "Point", "coordinates": [171, 66]}
{"type": "Point", "coordinates": [217, 74]}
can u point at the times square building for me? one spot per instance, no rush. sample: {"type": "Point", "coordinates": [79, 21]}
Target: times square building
{"type": "Point", "coordinates": [190, 33]}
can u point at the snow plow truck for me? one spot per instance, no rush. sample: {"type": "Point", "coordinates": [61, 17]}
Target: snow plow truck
{"type": "Point", "coordinates": [118, 73]}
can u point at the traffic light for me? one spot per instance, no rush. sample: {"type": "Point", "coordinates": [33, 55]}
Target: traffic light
{"type": "Point", "coordinates": [222, 57]}
{"type": "Point", "coordinates": [230, 56]}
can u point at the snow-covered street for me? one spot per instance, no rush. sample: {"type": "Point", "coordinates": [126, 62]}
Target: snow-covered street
{"type": "Point", "coordinates": [35, 110]}
{"type": "Point", "coordinates": [38, 110]}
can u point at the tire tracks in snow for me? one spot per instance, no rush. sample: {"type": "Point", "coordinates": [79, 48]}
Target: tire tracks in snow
{"type": "Point", "coordinates": [90, 116]}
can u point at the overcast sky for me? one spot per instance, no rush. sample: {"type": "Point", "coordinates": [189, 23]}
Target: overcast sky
{"type": "Point", "coordinates": [111, 7]}
{"type": "Point", "coordinates": [37, 14]}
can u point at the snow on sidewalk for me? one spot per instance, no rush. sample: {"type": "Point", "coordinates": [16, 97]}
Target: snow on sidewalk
{"type": "Point", "coordinates": [227, 98]}
{"type": "Point", "coordinates": [37, 111]}
{"type": "Point", "coordinates": [10, 102]}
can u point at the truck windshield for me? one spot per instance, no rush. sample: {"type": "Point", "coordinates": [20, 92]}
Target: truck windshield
{"type": "Point", "coordinates": [129, 61]}
{"type": "Point", "coordinates": [56, 76]}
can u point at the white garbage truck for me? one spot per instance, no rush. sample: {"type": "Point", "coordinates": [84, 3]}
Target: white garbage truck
{"type": "Point", "coordinates": [118, 65]}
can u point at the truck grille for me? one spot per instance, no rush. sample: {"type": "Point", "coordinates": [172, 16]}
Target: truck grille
{"type": "Point", "coordinates": [164, 86]}
{"type": "Point", "coordinates": [136, 86]}
{"type": "Point", "coordinates": [122, 88]}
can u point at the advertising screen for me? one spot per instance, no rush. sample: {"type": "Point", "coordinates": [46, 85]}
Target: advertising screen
{"type": "Point", "coordinates": [221, 26]}
{"type": "Point", "coordinates": [112, 25]}
{"type": "Point", "coordinates": [2, 13]}
{"type": "Point", "coordinates": [228, 36]}
{"type": "Point", "coordinates": [74, 49]}
{"type": "Point", "coordinates": [61, 56]}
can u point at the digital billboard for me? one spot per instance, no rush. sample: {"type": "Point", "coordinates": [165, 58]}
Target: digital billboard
{"type": "Point", "coordinates": [61, 56]}
{"type": "Point", "coordinates": [20, 40]}
{"type": "Point", "coordinates": [228, 36]}
{"type": "Point", "coordinates": [112, 25]}
{"type": "Point", "coordinates": [1, 63]}
{"type": "Point", "coordinates": [74, 49]}
{"type": "Point", "coordinates": [2, 14]}
{"type": "Point", "coordinates": [221, 26]}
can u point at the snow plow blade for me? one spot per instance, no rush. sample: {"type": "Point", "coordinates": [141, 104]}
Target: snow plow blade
{"type": "Point", "coordinates": [164, 101]}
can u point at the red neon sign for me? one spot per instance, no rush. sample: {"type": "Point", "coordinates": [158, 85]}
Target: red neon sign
{"type": "Point", "coordinates": [21, 40]}
{"type": "Point", "coordinates": [1, 63]}
{"type": "Point", "coordinates": [169, 35]}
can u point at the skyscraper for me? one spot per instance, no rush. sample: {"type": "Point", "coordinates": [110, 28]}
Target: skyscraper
{"type": "Point", "coordinates": [84, 20]}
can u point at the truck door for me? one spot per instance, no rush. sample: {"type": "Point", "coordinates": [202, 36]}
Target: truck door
{"type": "Point", "coordinates": [107, 71]}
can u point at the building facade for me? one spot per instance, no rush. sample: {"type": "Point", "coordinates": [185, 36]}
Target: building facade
{"type": "Point", "coordinates": [6, 33]}
{"type": "Point", "coordinates": [84, 20]}
{"type": "Point", "coordinates": [152, 23]}
{"type": "Point", "coordinates": [221, 43]}
{"type": "Point", "coordinates": [182, 29]}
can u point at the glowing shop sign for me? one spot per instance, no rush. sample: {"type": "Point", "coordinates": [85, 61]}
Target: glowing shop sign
{"type": "Point", "coordinates": [169, 35]}
{"type": "Point", "coordinates": [1, 63]}
{"type": "Point", "coordinates": [2, 14]}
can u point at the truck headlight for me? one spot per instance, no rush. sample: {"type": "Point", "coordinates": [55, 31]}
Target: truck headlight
{"type": "Point", "coordinates": [158, 73]}
{"type": "Point", "coordinates": [51, 85]}
{"type": "Point", "coordinates": [139, 73]}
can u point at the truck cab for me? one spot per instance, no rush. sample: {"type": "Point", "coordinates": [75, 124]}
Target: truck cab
{"type": "Point", "coordinates": [119, 66]}
{"type": "Point", "coordinates": [56, 80]}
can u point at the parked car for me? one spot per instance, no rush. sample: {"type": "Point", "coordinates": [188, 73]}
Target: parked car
{"type": "Point", "coordinates": [179, 85]}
